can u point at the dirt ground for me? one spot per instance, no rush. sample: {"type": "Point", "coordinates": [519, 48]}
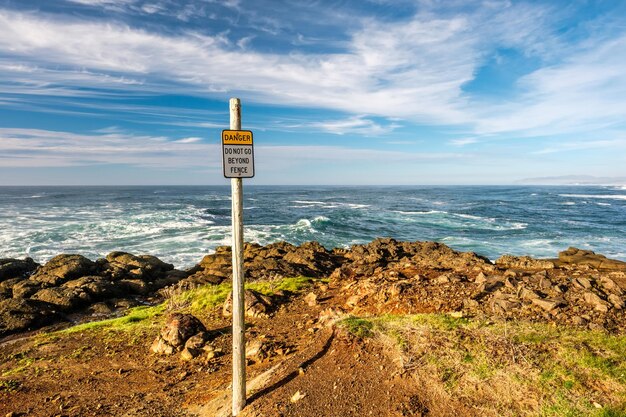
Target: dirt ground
{"type": "Point", "coordinates": [106, 373]}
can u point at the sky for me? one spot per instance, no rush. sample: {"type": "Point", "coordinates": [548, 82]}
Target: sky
{"type": "Point", "coordinates": [117, 92]}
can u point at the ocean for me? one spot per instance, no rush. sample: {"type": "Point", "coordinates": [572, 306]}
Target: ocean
{"type": "Point", "coordinates": [180, 224]}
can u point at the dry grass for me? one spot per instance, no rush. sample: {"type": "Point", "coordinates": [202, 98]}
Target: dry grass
{"type": "Point", "coordinates": [476, 368]}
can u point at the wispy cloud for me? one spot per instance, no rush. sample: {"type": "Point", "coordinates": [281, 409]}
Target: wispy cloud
{"type": "Point", "coordinates": [412, 69]}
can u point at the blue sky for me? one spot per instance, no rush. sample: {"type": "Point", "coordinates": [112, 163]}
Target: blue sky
{"type": "Point", "coordinates": [336, 92]}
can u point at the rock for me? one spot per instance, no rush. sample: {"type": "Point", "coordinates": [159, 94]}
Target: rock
{"type": "Point", "coordinates": [63, 268]}
{"type": "Point", "coordinates": [548, 304]}
{"type": "Point", "coordinates": [575, 256]}
{"type": "Point", "coordinates": [161, 347]}
{"type": "Point", "coordinates": [582, 282]}
{"type": "Point", "coordinates": [297, 397]}
{"type": "Point", "coordinates": [610, 285]}
{"type": "Point", "coordinates": [523, 262]}
{"type": "Point", "coordinates": [65, 299]}
{"type": "Point", "coordinates": [196, 341]}
{"type": "Point", "coordinates": [256, 350]}
{"type": "Point", "coordinates": [617, 301]}
{"type": "Point", "coordinates": [16, 268]}
{"type": "Point", "coordinates": [579, 321]}
{"type": "Point", "coordinates": [311, 299]}
{"type": "Point", "coordinates": [527, 294]}
{"type": "Point", "coordinates": [18, 315]}
{"type": "Point", "coordinates": [596, 302]}
{"type": "Point", "coordinates": [143, 267]}
{"type": "Point", "coordinates": [134, 286]}
{"type": "Point", "coordinates": [189, 353]}
{"type": "Point", "coordinates": [180, 327]}
{"type": "Point", "coordinates": [504, 304]}
{"type": "Point", "coordinates": [480, 278]}
{"type": "Point", "coordinates": [255, 304]}
{"type": "Point", "coordinates": [98, 288]}
{"type": "Point", "coordinates": [25, 288]}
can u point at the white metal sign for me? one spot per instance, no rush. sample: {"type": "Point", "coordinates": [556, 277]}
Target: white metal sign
{"type": "Point", "coordinates": [238, 153]}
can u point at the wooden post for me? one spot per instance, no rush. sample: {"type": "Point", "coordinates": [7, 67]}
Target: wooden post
{"type": "Point", "coordinates": [239, 340]}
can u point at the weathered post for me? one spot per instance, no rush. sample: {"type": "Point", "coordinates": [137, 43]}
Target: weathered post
{"type": "Point", "coordinates": [239, 342]}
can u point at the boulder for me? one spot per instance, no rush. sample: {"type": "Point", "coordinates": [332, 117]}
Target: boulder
{"type": "Point", "coordinates": [17, 315]}
{"type": "Point", "coordinates": [179, 328]}
{"type": "Point", "coordinates": [575, 256]}
{"type": "Point", "coordinates": [596, 302]}
{"type": "Point", "coordinates": [63, 268]}
{"type": "Point", "coordinates": [16, 268]}
{"type": "Point", "coordinates": [64, 299]}
{"type": "Point", "coordinates": [144, 267]}
{"type": "Point", "coordinates": [255, 304]}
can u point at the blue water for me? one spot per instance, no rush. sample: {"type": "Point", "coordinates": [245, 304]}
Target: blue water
{"type": "Point", "coordinates": [182, 224]}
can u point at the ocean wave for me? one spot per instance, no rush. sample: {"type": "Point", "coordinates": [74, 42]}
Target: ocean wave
{"type": "Point", "coordinates": [594, 196]}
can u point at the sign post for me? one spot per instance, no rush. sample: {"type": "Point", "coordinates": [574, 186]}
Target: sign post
{"type": "Point", "coordinates": [238, 161]}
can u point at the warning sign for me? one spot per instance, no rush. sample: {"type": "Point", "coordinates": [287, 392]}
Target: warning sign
{"type": "Point", "coordinates": [237, 153]}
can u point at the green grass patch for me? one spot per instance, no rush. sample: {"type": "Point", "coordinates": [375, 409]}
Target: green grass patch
{"type": "Point", "coordinates": [199, 300]}
{"type": "Point", "coordinates": [9, 385]}
{"type": "Point", "coordinates": [144, 316]}
{"type": "Point", "coordinates": [196, 301]}
{"type": "Point", "coordinates": [507, 368]}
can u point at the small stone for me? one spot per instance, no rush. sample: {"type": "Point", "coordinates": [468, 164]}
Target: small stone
{"type": "Point", "coordinates": [188, 354]}
{"type": "Point", "coordinates": [195, 342]}
{"type": "Point", "coordinates": [610, 285]}
{"type": "Point", "coordinates": [161, 347]}
{"type": "Point", "coordinates": [579, 321]}
{"type": "Point", "coordinates": [480, 278]}
{"type": "Point", "coordinates": [311, 299]}
{"type": "Point", "coordinates": [297, 397]}
{"type": "Point", "coordinates": [442, 279]}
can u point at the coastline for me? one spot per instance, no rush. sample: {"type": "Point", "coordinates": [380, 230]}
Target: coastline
{"type": "Point", "coordinates": [561, 289]}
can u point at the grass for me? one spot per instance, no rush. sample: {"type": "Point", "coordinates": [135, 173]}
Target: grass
{"type": "Point", "coordinates": [471, 367]}
{"type": "Point", "coordinates": [9, 385]}
{"type": "Point", "coordinates": [197, 301]}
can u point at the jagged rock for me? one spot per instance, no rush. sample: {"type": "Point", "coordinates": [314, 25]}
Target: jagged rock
{"type": "Point", "coordinates": [583, 282]}
{"type": "Point", "coordinates": [528, 294]}
{"type": "Point", "coordinates": [596, 302]}
{"type": "Point", "coordinates": [616, 300]}
{"type": "Point", "coordinates": [548, 304]}
{"type": "Point", "coordinates": [575, 256]}
{"type": "Point", "coordinates": [523, 262]}
{"type": "Point", "coordinates": [255, 304]}
{"type": "Point", "coordinates": [16, 268]}
{"type": "Point", "coordinates": [610, 285]}
{"type": "Point", "coordinates": [63, 268]}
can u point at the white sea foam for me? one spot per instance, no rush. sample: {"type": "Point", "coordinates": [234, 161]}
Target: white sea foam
{"type": "Point", "coordinates": [603, 204]}
{"type": "Point", "coordinates": [594, 196]}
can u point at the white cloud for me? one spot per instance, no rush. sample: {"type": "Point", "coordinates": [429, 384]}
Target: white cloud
{"type": "Point", "coordinates": [45, 148]}
{"type": "Point", "coordinates": [413, 69]}
{"type": "Point", "coordinates": [359, 125]}
{"type": "Point", "coordinates": [463, 141]}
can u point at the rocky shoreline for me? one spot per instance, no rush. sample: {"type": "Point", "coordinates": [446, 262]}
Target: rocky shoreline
{"type": "Point", "coordinates": [579, 288]}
